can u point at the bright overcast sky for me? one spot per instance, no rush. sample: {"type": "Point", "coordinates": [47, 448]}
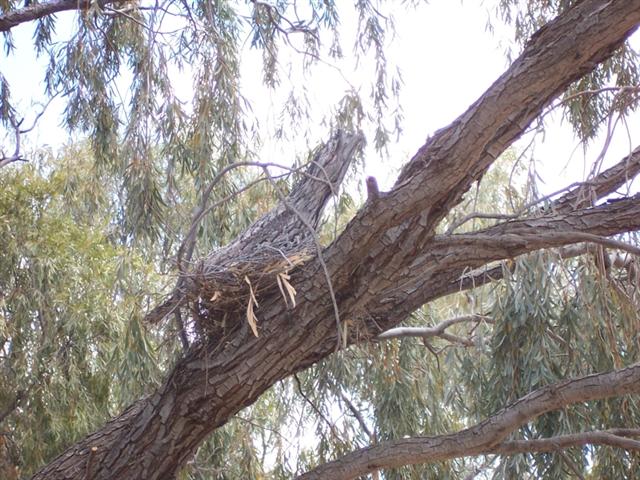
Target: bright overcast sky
{"type": "Point", "coordinates": [447, 59]}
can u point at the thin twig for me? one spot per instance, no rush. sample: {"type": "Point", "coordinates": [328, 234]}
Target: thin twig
{"type": "Point", "coordinates": [18, 132]}
{"type": "Point", "coordinates": [572, 466]}
{"type": "Point", "coordinates": [314, 407]}
{"type": "Point", "coordinates": [601, 179]}
{"type": "Point", "coordinates": [358, 416]}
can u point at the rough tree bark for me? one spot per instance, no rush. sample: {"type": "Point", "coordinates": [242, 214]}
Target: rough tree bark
{"type": "Point", "coordinates": [386, 263]}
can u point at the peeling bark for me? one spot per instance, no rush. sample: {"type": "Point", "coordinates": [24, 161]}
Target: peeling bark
{"type": "Point", "coordinates": [386, 263]}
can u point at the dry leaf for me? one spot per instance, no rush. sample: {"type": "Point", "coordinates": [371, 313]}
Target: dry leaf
{"type": "Point", "coordinates": [283, 283]}
{"type": "Point", "coordinates": [251, 317]}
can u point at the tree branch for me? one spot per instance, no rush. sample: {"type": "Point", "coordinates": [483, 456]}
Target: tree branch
{"type": "Point", "coordinates": [36, 11]}
{"type": "Point", "coordinates": [18, 131]}
{"type": "Point", "coordinates": [605, 183]}
{"type": "Point", "coordinates": [579, 195]}
{"type": "Point", "coordinates": [488, 436]}
{"type": "Point", "coordinates": [435, 331]}
{"type": "Point", "coordinates": [447, 165]}
{"type": "Point", "coordinates": [441, 268]}
{"type": "Point", "coordinates": [562, 442]}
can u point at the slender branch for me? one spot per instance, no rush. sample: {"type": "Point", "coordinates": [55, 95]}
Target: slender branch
{"type": "Point", "coordinates": [617, 90]}
{"type": "Point", "coordinates": [561, 237]}
{"type": "Point", "coordinates": [358, 416]}
{"type": "Point", "coordinates": [572, 465]}
{"type": "Point", "coordinates": [15, 157]}
{"type": "Point", "coordinates": [435, 331]}
{"type": "Point", "coordinates": [356, 413]}
{"type": "Point", "coordinates": [332, 427]}
{"type": "Point", "coordinates": [18, 131]}
{"type": "Point", "coordinates": [562, 442]}
{"type": "Point", "coordinates": [603, 184]}
{"type": "Point", "coordinates": [494, 272]}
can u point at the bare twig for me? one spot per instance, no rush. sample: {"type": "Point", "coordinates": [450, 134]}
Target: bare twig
{"type": "Point", "coordinates": [15, 157]}
{"type": "Point", "coordinates": [602, 184]}
{"type": "Point", "coordinates": [358, 416]}
{"type": "Point", "coordinates": [314, 407]}
{"type": "Point", "coordinates": [18, 131]}
{"type": "Point", "coordinates": [572, 466]}
{"type": "Point", "coordinates": [437, 330]}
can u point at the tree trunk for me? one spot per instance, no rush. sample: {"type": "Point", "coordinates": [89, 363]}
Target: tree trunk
{"type": "Point", "coordinates": [386, 263]}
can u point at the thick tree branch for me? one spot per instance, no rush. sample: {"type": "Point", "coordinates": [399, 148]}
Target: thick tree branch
{"type": "Point", "coordinates": [603, 184]}
{"type": "Point", "coordinates": [443, 267]}
{"type": "Point", "coordinates": [388, 235]}
{"type": "Point", "coordinates": [447, 165]}
{"type": "Point", "coordinates": [487, 436]}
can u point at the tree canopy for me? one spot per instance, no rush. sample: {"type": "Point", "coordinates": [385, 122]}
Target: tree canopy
{"type": "Point", "coordinates": [175, 303]}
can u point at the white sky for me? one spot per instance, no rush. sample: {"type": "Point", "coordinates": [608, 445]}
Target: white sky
{"type": "Point", "coordinates": [447, 59]}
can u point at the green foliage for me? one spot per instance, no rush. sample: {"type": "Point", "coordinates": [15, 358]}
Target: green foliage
{"type": "Point", "coordinates": [76, 282]}
{"type": "Point", "coordinates": [72, 351]}
{"type": "Point", "coordinates": [556, 320]}
{"type": "Point", "coordinates": [122, 72]}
